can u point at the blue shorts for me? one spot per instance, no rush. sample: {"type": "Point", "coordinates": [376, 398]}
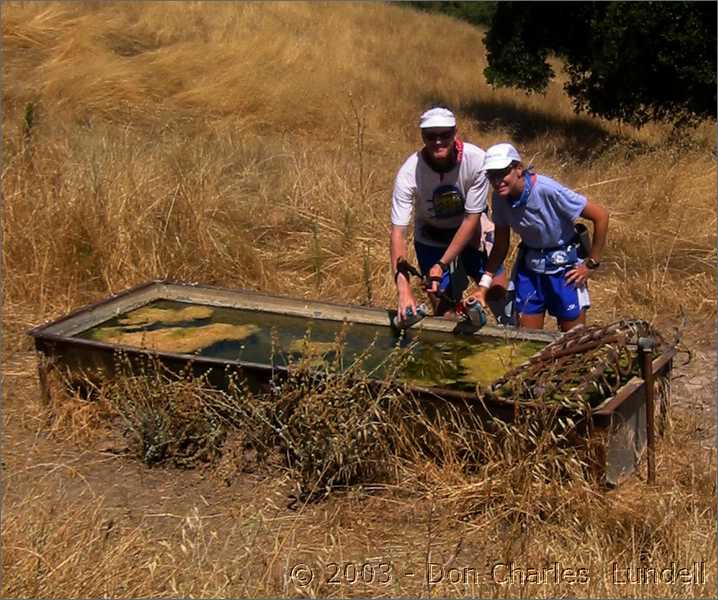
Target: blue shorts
{"type": "Point", "coordinates": [474, 261]}
{"type": "Point", "coordinates": [539, 292]}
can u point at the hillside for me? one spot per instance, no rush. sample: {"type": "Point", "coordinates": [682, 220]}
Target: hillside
{"type": "Point", "coordinates": [254, 145]}
{"type": "Point", "coordinates": [307, 108]}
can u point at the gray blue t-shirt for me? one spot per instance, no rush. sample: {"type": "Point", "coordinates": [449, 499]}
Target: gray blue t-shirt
{"type": "Point", "coordinates": [545, 220]}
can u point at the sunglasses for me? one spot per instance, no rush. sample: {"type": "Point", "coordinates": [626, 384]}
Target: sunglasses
{"type": "Point", "coordinates": [434, 136]}
{"type": "Point", "coordinates": [499, 174]}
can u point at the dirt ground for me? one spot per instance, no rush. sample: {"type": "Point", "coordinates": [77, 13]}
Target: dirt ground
{"type": "Point", "coordinates": [127, 494]}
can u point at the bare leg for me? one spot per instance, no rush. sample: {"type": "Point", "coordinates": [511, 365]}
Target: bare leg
{"type": "Point", "coordinates": [566, 325]}
{"type": "Point", "coordinates": [532, 321]}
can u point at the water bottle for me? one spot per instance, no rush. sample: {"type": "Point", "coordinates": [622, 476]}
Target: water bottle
{"type": "Point", "coordinates": [475, 312]}
{"type": "Point", "coordinates": [510, 316]}
{"type": "Point", "coordinates": [411, 318]}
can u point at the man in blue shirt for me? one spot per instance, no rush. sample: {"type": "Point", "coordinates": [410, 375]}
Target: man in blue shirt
{"type": "Point", "coordinates": [549, 275]}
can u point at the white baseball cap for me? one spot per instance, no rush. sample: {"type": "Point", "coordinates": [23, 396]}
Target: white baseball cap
{"type": "Point", "coordinates": [500, 156]}
{"type": "Point", "coordinates": [437, 117]}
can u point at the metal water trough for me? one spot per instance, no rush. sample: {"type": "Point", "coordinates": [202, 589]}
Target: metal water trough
{"type": "Point", "coordinates": [619, 425]}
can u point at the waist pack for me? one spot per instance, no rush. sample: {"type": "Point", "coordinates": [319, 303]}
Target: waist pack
{"type": "Point", "coordinates": [550, 260]}
{"type": "Point", "coordinates": [557, 258]}
{"type": "Point", "coordinates": [560, 257]}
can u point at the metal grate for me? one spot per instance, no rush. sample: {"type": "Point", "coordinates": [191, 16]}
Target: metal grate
{"type": "Point", "coordinates": [580, 369]}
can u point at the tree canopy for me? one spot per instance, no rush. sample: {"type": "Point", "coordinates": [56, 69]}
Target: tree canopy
{"type": "Point", "coordinates": [630, 61]}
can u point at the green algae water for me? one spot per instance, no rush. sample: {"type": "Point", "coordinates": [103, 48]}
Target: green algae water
{"type": "Point", "coordinates": [435, 359]}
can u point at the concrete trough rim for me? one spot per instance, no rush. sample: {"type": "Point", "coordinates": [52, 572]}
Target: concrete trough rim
{"type": "Point", "coordinates": [41, 332]}
{"type": "Point", "coordinates": [56, 340]}
{"type": "Point", "coordinates": [381, 314]}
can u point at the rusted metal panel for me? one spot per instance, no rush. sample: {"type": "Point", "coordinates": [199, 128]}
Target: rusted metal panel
{"type": "Point", "coordinates": [623, 417]}
{"type": "Point", "coordinates": [626, 440]}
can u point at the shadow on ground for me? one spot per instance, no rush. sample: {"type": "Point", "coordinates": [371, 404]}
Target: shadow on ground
{"type": "Point", "coordinates": [580, 138]}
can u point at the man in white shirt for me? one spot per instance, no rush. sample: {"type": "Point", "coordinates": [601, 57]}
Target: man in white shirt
{"type": "Point", "coordinates": [444, 187]}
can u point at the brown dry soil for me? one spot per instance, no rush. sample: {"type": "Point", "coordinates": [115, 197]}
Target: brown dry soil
{"type": "Point", "coordinates": [36, 461]}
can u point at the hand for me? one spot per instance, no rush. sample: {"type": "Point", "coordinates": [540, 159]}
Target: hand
{"type": "Point", "coordinates": [406, 298]}
{"type": "Point", "coordinates": [578, 276]}
{"type": "Point", "coordinates": [480, 295]}
{"type": "Point", "coordinates": [432, 287]}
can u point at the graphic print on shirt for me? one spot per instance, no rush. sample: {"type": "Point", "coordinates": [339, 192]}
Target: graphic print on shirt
{"type": "Point", "coordinates": [447, 202]}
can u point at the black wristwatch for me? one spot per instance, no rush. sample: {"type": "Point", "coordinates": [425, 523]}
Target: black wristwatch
{"type": "Point", "coordinates": [443, 265]}
{"type": "Point", "coordinates": [592, 263]}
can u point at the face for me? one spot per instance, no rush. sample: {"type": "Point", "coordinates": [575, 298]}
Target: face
{"type": "Point", "coordinates": [438, 141]}
{"type": "Point", "coordinates": [508, 181]}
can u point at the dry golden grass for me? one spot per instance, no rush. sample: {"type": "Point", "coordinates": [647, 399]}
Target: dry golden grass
{"type": "Point", "coordinates": [254, 145]}
{"type": "Point", "coordinates": [161, 133]}
{"type": "Point", "coordinates": [70, 529]}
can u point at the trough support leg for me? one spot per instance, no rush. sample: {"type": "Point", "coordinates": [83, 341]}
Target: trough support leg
{"type": "Point", "coordinates": [665, 398]}
{"type": "Point", "coordinates": [646, 346]}
{"type": "Point", "coordinates": [44, 366]}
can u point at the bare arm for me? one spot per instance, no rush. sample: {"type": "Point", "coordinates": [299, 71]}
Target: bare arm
{"type": "Point", "coordinates": [502, 238]}
{"type": "Point", "coordinates": [465, 232]}
{"type": "Point", "coordinates": [397, 245]}
{"type": "Point", "coordinates": [398, 248]}
{"type": "Point", "coordinates": [599, 216]}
